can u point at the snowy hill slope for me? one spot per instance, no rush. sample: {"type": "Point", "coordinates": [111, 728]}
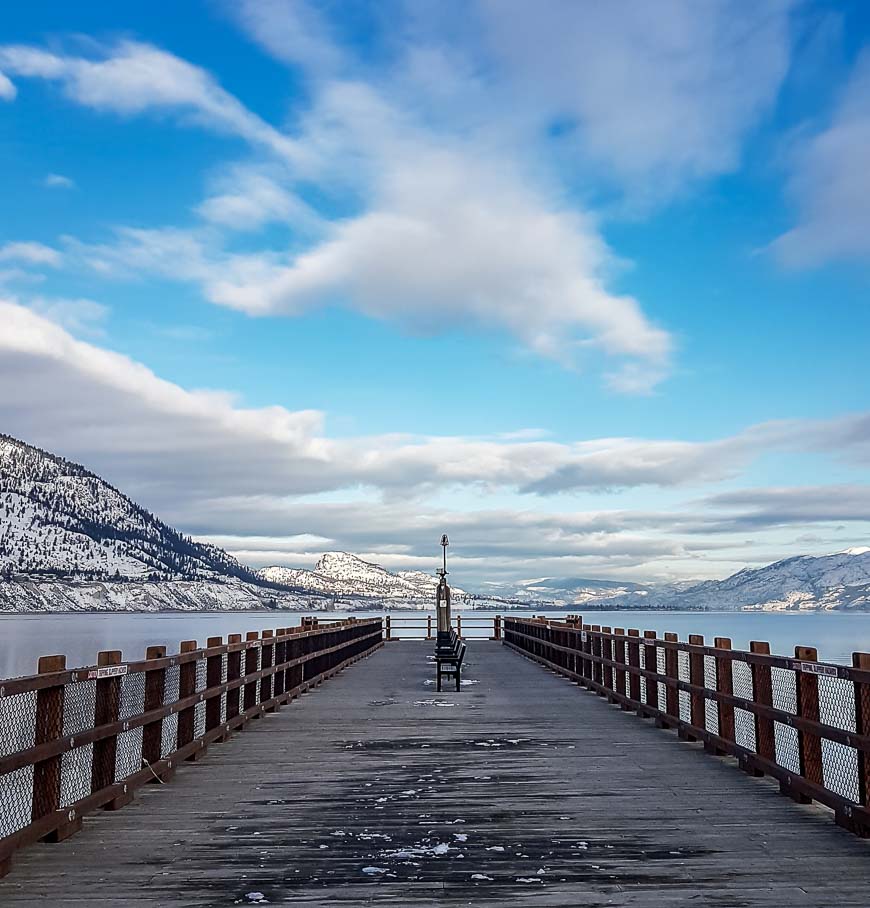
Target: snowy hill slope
{"type": "Point", "coordinates": [343, 574]}
{"type": "Point", "coordinates": [57, 519]}
{"type": "Point", "coordinates": [807, 582]}
{"type": "Point", "coordinates": [52, 595]}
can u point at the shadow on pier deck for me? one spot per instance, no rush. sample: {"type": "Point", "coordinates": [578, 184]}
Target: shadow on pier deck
{"type": "Point", "coordinates": [520, 790]}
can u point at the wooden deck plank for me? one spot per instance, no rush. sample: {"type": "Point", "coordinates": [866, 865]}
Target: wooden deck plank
{"type": "Point", "coordinates": [562, 800]}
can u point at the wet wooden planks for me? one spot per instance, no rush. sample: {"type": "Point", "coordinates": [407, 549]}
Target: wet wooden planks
{"type": "Point", "coordinates": [522, 789]}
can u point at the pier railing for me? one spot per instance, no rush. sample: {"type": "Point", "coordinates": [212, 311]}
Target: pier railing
{"type": "Point", "coordinates": [76, 740]}
{"type": "Point", "coordinates": [425, 626]}
{"type": "Point", "coordinates": [803, 722]}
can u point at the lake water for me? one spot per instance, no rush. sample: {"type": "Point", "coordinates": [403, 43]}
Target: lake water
{"type": "Point", "coordinates": [23, 638]}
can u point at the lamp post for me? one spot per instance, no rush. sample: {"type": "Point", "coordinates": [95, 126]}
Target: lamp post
{"type": "Point", "coordinates": [442, 598]}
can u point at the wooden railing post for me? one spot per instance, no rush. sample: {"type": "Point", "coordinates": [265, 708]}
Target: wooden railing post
{"type": "Point", "coordinates": [234, 672]}
{"type": "Point", "coordinates": [47, 773]}
{"type": "Point", "coordinates": [267, 661]}
{"type": "Point", "coordinates": [634, 662]}
{"type": "Point", "coordinates": [107, 707]}
{"type": "Point", "coordinates": [213, 672]}
{"type": "Point", "coordinates": [497, 627]}
{"type": "Point", "coordinates": [251, 661]}
{"type": "Point", "coordinates": [428, 627]}
{"type": "Point", "coordinates": [651, 664]}
{"type": "Point", "coordinates": [280, 676]}
{"type": "Point", "coordinates": [459, 625]}
{"type": "Point", "coordinates": [762, 689]}
{"type": "Point", "coordinates": [809, 745]}
{"type": "Point", "coordinates": [618, 656]}
{"type": "Point", "coordinates": [696, 679]}
{"type": "Point", "coordinates": [862, 727]}
{"type": "Point", "coordinates": [597, 648]}
{"type": "Point", "coordinates": [725, 685]}
{"type": "Point", "coordinates": [152, 733]}
{"type": "Point", "coordinates": [606, 643]}
{"type": "Point", "coordinates": [388, 630]}
{"type": "Point", "coordinates": [186, 688]}
{"type": "Point", "coordinates": [672, 672]}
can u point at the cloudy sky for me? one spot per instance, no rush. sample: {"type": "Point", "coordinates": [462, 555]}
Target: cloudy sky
{"type": "Point", "coordinates": [584, 285]}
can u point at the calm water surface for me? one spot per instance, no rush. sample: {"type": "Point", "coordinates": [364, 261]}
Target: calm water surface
{"type": "Point", "coordinates": [23, 638]}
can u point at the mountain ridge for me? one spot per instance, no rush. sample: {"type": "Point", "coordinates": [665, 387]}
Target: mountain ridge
{"type": "Point", "coordinates": [344, 574]}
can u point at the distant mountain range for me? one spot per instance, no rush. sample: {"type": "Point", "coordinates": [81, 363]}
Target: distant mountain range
{"type": "Point", "coordinates": [838, 581]}
{"type": "Point", "coordinates": [69, 540]}
{"type": "Point", "coordinates": [344, 575]}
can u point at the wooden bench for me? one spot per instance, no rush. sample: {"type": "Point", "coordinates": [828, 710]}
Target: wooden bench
{"type": "Point", "coordinates": [448, 660]}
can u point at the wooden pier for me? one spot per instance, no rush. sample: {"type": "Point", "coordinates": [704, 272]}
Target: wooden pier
{"type": "Point", "coordinates": [521, 789]}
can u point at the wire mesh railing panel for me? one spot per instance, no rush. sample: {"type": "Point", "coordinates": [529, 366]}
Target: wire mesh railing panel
{"type": "Point", "coordinates": [660, 669]}
{"type": "Point", "coordinates": [784, 697]}
{"type": "Point", "coordinates": [16, 796]}
{"type": "Point", "coordinates": [199, 709]}
{"type": "Point", "coordinates": [744, 721]}
{"type": "Point", "coordinates": [170, 723]}
{"type": "Point", "coordinates": [683, 674]}
{"type": "Point", "coordinates": [224, 665]}
{"type": "Point", "coordinates": [76, 764]}
{"type": "Point", "coordinates": [839, 761]}
{"type": "Point", "coordinates": [711, 707]}
{"type": "Point", "coordinates": [18, 722]}
{"type": "Point", "coordinates": [128, 757]}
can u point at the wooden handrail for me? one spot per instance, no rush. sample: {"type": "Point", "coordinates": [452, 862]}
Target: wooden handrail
{"type": "Point", "coordinates": [261, 673]}
{"type": "Point", "coordinates": [786, 743]}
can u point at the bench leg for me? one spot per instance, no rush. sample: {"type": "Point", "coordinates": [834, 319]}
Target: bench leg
{"type": "Point", "coordinates": [457, 680]}
{"type": "Point", "coordinates": [438, 684]}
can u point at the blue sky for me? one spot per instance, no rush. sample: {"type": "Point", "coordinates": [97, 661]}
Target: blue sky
{"type": "Point", "coordinates": [584, 285]}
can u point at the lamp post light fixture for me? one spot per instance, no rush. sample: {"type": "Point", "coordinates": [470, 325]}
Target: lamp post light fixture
{"type": "Point", "coordinates": [442, 597]}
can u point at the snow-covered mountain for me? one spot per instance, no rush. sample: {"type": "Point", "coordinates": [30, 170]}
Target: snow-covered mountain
{"type": "Point", "coordinates": [344, 575]}
{"type": "Point", "coordinates": [58, 519]}
{"type": "Point", "coordinates": [563, 591]}
{"type": "Point", "coordinates": [806, 582]}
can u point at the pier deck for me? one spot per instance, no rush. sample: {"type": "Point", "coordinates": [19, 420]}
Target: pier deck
{"type": "Point", "coordinates": [522, 789]}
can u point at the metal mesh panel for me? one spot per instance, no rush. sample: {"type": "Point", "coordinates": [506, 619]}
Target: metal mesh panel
{"type": "Point", "coordinates": [660, 668]}
{"type": "Point", "coordinates": [16, 796]}
{"type": "Point", "coordinates": [784, 691]}
{"type": "Point", "coordinates": [18, 718]}
{"type": "Point", "coordinates": [711, 707]}
{"type": "Point", "coordinates": [683, 674]}
{"type": "Point", "coordinates": [199, 709]}
{"type": "Point", "coordinates": [224, 662]}
{"type": "Point", "coordinates": [129, 751]}
{"type": "Point", "coordinates": [76, 765]}
{"type": "Point", "coordinates": [839, 762]}
{"type": "Point", "coordinates": [744, 722]}
{"type": "Point", "coordinates": [170, 723]}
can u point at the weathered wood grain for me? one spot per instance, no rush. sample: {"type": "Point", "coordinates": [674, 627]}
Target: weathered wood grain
{"type": "Point", "coordinates": [547, 783]}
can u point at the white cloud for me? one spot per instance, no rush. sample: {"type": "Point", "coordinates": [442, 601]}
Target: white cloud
{"type": "Point", "coordinates": [133, 78]}
{"type": "Point", "coordinates": [58, 181]}
{"type": "Point", "coordinates": [830, 183]}
{"type": "Point", "coordinates": [451, 231]}
{"type": "Point", "coordinates": [30, 253]}
{"type": "Point", "coordinates": [7, 89]}
{"type": "Point", "coordinates": [78, 316]}
{"type": "Point", "coordinates": [207, 442]}
{"type": "Point", "coordinates": [246, 198]}
{"type": "Point", "coordinates": [657, 93]}
{"type": "Point", "coordinates": [203, 461]}
{"type": "Point", "coordinates": [292, 31]}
